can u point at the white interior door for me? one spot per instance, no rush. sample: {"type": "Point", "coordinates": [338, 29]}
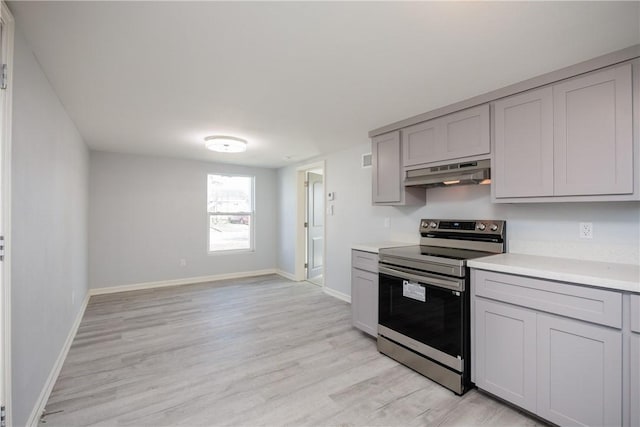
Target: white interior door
{"type": "Point", "coordinates": [6, 60]}
{"type": "Point", "coordinates": [3, 293]}
{"type": "Point", "coordinates": [315, 225]}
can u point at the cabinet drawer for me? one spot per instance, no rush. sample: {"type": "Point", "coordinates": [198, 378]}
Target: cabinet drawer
{"type": "Point", "coordinates": [593, 305]}
{"type": "Point", "coordinates": [364, 260]}
{"type": "Point", "coordinates": [635, 313]}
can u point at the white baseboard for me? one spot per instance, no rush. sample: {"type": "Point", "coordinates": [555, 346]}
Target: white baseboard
{"type": "Point", "coordinates": [286, 275]}
{"type": "Point", "coordinates": [34, 418]}
{"type": "Point", "coordinates": [179, 282]}
{"type": "Point", "coordinates": [337, 294]}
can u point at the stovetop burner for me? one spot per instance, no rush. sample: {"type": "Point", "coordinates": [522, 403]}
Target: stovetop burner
{"type": "Point", "coordinates": [449, 243]}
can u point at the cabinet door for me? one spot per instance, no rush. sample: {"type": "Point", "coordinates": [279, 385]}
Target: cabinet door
{"type": "Point", "coordinates": [634, 402]}
{"type": "Point", "coordinates": [364, 301]}
{"type": "Point", "coordinates": [420, 143]}
{"type": "Point", "coordinates": [524, 145]}
{"type": "Point", "coordinates": [593, 138]}
{"type": "Point", "coordinates": [579, 372]}
{"type": "Point", "coordinates": [466, 133]}
{"type": "Point", "coordinates": [387, 185]}
{"type": "Point", "coordinates": [505, 338]}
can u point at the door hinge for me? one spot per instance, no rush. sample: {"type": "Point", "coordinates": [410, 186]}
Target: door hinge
{"type": "Point", "coordinates": [306, 225]}
{"type": "Point", "coordinates": [306, 184]}
{"type": "Point", "coordinates": [3, 416]}
{"type": "Point", "coordinates": [3, 77]}
{"type": "Point", "coordinates": [306, 265]}
{"type": "Point", "coordinates": [1, 248]}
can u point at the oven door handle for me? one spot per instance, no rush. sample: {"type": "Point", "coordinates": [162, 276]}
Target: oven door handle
{"type": "Point", "coordinates": [440, 283]}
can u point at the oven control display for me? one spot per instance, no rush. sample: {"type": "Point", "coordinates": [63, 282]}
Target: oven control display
{"type": "Point", "coordinates": [413, 291]}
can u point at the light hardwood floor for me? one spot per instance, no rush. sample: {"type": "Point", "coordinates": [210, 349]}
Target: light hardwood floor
{"type": "Point", "coordinates": [258, 351]}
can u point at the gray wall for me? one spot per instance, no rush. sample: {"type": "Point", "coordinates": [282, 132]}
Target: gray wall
{"type": "Point", "coordinates": [539, 229]}
{"type": "Point", "coordinates": [354, 219]}
{"type": "Point", "coordinates": [50, 167]}
{"type": "Point", "coordinates": [147, 213]}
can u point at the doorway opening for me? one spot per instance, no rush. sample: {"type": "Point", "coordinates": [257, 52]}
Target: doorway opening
{"type": "Point", "coordinates": [310, 247]}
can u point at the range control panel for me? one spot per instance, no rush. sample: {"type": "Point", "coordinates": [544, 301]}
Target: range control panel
{"type": "Point", "coordinates": [462, 226]}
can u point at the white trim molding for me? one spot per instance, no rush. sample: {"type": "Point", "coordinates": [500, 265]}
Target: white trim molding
{"type": "Point", "coordinates": [5, 216]}
{"type": "Point", "coordinates": [38, 410]}
{"type": "Point", "coordinates": [337, 294]}
{"type": "Point", "coordinates": [179, 282]}
{"type": "Point", "coordinates": [286, 275]}
{"type": "Point", "coordinates": [301, 207]}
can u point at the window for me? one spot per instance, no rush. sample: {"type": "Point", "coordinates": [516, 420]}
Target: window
{"type": "Point", "coordinates": [230, 208]}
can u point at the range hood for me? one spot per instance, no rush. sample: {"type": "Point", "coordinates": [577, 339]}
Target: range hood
{"type": "Point", "coordinates": [476, 172]}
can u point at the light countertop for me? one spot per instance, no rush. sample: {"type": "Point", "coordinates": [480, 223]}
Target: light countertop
{"type": "Point", "coordinates": [376, 246]}
{"type": "Point", "coordinates": [622, 277]}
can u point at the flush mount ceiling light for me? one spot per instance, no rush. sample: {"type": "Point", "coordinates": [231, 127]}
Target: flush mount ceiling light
{"type": "Point", "coordinates": [225, 144]}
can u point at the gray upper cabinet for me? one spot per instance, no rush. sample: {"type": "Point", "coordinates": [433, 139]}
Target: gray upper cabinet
{"type": "Point", "coordinates": [593, 136]}
{"type": "Point", "coordinates": [523, 158]}
{"type": "Point", "coordinates": [568, 141]}
{"type": "Point", "coordinates": [466, 133]}
{"type": "Point", "coordinates": [385, 161]}
{"type": "Point", "coordinates": [388, 188]}
{"type": "Point", "coordinates": [420, 143]}
{"type": "Point", "coordinates": [462, 134]}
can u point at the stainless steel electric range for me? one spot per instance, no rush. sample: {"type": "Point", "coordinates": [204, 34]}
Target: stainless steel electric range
{"type": "Point", "coordinates": [423, 306]}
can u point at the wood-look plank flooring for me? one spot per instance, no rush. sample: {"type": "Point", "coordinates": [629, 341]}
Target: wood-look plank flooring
{"type": "Point", "coordinates": [262, 351]}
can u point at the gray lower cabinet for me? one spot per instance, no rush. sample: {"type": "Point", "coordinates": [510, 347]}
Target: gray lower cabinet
{"type": "Point", "coordinates": [364, 291]}
{"type": "Point", "coordinates": [634, 400]}
{"type": "Point", "coordinates": [579, 369]}
{"type": "Point", "coordinates": [554, 349]}
{"type": "Point", "coordinates": [505, 352]}
{"type": "Point", "coordinates": [634, 365]}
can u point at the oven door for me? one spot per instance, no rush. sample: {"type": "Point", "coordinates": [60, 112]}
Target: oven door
{"type": "Point", "coordinates": [424, 314]}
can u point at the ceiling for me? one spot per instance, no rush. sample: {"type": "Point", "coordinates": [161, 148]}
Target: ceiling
{"type": "Point", "coordinates": [296, 79]}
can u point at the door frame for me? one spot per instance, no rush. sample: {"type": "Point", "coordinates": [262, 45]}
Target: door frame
{"type": "Point", "coordinates": [8, 24]}
{"type": "Point", "coordinates": [301, 233]}
{"type": "Point", "coordinates": [308, 192]}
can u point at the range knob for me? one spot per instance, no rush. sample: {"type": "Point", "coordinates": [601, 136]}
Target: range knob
{"type": "Point", "coordinates": [493, 227]}
{"type": "Point", "coordinates": [433, 224]}
{"type": "Point", "coordinates": [424, 224]}
{"type": "Point", "coordinates": [480, 226]}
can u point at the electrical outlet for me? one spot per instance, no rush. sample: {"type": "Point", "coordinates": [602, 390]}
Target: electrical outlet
{"type": "Point", "coordinates": [183, 262]}
{"type": "Point", "coordinates": [586, 230]}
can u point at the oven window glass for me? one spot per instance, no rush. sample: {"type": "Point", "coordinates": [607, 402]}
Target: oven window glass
{"type": "Point", "coordinates": [437, 322]}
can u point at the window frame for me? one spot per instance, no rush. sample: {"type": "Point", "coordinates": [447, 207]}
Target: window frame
{"type": "Point", "coordinates": [251, 214]}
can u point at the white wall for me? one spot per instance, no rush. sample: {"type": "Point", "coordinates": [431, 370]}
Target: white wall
{"type": "Point", "coordinates": [147, 213]}
{"type": "Point", "coordinates": [549, 229]}
{"type": "Point", "coordinates": [542, 229]}
{"type": "Point", "coordinates": [50, 167]}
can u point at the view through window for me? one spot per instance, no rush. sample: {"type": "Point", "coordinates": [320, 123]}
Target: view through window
{"type": "Point", "coordinates": [230, 208]}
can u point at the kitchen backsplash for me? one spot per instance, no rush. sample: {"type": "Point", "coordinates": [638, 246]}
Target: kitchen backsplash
{"type": "Point", "coordinates": [548, 229]}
